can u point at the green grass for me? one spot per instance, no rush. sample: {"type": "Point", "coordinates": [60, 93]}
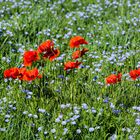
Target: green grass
{"type": "Point", "coordinates": [102, 26]}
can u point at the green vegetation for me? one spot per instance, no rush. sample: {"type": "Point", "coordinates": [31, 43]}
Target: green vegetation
{"type": "Point", "coordinates": [77, 104]}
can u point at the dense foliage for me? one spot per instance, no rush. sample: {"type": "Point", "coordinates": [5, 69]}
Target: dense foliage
{"type": "Point", "coordinates": [69, 69]}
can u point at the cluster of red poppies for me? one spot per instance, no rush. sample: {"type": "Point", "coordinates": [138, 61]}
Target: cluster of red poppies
{"type": "Point", "coordinates": [22, 74]}
{"type": "Point", "coordinates": [113, 79]}
{"type": "Point", "coordinates": [45, 51]}
{"type": "Point", "coordinates": [75, 42]}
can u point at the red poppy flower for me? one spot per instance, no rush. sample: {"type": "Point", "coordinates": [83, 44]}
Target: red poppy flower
{"type": "Point", "coordinates": [79, 53]}
{"type": "Point", "coordinates": [29, 57]}
{"type": "Point", "coordinates": [11, 73]}
{"type": "Point", "coordinates": [76, 41]}
{"type": "Point", "coordinates": [71, 65]}
{"type": "Point", "coordinates": [21, 74]}
{"type": "Point", "coordinates": [134, 74]}
{"type": "Point", "coordinates": [7, 73]}
{"type": "Point", "coordinates": [51, 55]}
{"type": "Point", "coordinates": [113, 79]}
{"type": "Point", "coordinates": [45, 46]}
{"type": "Point", "coordinates": [31, 75]}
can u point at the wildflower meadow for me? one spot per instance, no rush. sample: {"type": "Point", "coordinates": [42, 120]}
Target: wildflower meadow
{"type": "Point", "coordinates": [69, 70]}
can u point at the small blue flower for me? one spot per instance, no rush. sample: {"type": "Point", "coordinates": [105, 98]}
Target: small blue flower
{"type": "Point", "coordinates": [39, 128]}
{"type": "Point", "coordinates": [78, 131]}
{"type": "Point", "coordinates": [95, 78]}
{"type": "Point", "coordinates": [84, 106]}
{"type": "Point", "coordinates": [81, 66]}
{"type": "Point", "coordinates": [91, 129]}
{"type": "Point", "coordinates": [106, 100]}
{"type": "Point", "coordinates": [2, 129]}
{"type": "Point", "coordinates": [61, 76]}
{"type": "Point", "coordinates": [57, 120]}
{"type": "Point", "coordinates": [64, 122]}
{"type": "Point", "coordinates": [53, 130]}
{"type": "Point", "coordinates": [115, 111]}
{"type": "Point", "coordinates": [137, 121]}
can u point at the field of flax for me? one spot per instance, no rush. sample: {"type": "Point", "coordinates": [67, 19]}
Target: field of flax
{"type": "Point", "coordinates": [69, 69]}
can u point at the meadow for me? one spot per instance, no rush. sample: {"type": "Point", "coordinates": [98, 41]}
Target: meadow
{"type": "Point", "coordinates": [57, 100]}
